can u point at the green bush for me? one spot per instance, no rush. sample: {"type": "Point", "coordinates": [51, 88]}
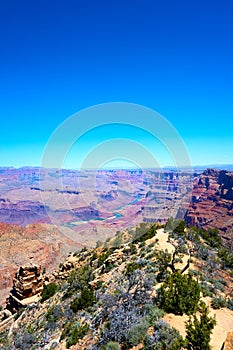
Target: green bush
{"type": "Point", "coordinates": [179, 294]}
{"type": "Point", "coordinates": [133, 249]}
{"type": "Point", "coordinates": [226, 257]}
{"type": "Point", "coordinates": [19, 313]}
{"type": "Point", "coordinates": [218, 303]}
{"type": "Point", "coordinates": [198, 331]}
{"type": "Point", "coordinates": [230, 304]}
{"type": "Point", "coordinates": [78, 279]}
{"type": "Point", "coordinates": [141, 235]}
{"type": "Point", "coordinates": [137, 333]}
{"type": "Point", "coordinates": [112, 345]}
{"type": "Point", "coordinates": [212, 237]}
{"type": "Point", "coordinates": [54, 313]}
{"type": "Point", "coordinates": [207, 289]}
{"type": "Point", "coordinates": [176, 226]}
{"type": "Point", "coordinates": [132, 266]}
{"type": "Point", "coordinates": [180, 228]}
{"type": "Point", "coordinates": [48, 291]}
{"type": "Point", "coordinates": [102, 257]}
{"type": "Point", "coordinates": [75, 334]}
{"type": "Point", "coordinates": [164, 337]}
{"type": "Point", "coordinates": [86, 299]}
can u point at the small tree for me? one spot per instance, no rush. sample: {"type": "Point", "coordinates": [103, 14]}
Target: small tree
{"type": "Point", "coordinates": [48, 291]}
{"type": "Point", "coordinates": [199, 330]}
{"type": "Point", "coordinates": [179, 294]}
{"type": "Point", "coordinates": [176, 226]}
{"type": "Point", "coordinates": [86, 299]}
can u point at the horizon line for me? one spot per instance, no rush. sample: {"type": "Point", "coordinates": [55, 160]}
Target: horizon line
{"type": "Point", "coordinates": [165, 167]}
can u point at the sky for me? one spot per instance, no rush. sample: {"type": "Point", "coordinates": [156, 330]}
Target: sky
{"type": "Point", "coordinates": [59, 57]}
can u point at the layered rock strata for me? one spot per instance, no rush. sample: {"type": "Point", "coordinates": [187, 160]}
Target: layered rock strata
{"type": "Point", "coordinates": [27, 287]}
{"type": "Point", "coordinates": [212, 201]}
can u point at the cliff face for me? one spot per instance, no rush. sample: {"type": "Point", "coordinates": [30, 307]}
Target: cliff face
{"type": "Point", "coordinates": [212, 201]}
{"type": "Point", "coordinates": [225, 180]}
{"type": "Point", "coordinates": [22, 245]}
{"type": "Point", "coordinates": [23, 212]}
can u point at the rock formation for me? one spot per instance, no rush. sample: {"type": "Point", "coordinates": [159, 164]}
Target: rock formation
{"type": "Point", "coordinates": [86, 213]}
{"type": "Point", "coordinates": [44, 243]}
{"type": "Point", "coordinates": [70, 263]}
{"type": "Point", "coordinates": [23, 212]}
{"type": "Point", "coordinates": [228, 345]}
{"type": "Point", "coordinates": [109, 196]}
{"type": "Point", "coordinates": [4, 314]}
{"type": "Point", "coordinates": [212, 201]}
{"type": "Point", "coordinates": [28, 282]}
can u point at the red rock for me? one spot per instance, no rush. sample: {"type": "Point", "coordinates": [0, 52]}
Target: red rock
{"type": "Point", "coordinates": [212, 201]}
{"type": "Point", "coordinates": [38, 243]}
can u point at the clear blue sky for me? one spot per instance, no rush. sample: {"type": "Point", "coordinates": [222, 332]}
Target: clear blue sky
{"type": "Point", "coordinates": [58, 57]}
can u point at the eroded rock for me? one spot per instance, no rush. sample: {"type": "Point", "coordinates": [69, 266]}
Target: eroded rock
{"type": "Point", "coordinates": [212, 201]}
{"type": "Point", "coordinates": [228, 345]}
{"type": "Point", "coordinates": [27, 287]}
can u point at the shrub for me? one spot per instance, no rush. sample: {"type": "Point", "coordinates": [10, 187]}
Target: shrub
{"type": "Point", "coordinates": [198, 331]}
{"type": "Point", "coordinates": [19, 313]}
{"type": "Point", "coordinates": [226, 257]}
{"type": "Point", "coordinates": [75, 334]}
{"type": "Point", "coordinates": [124, 309]}
{"type": "Point", "coordinates": [230, 304]}
{"type": "Point", "coordinates": [202, 252]}
{"type": "Point", "coordinates": [137, 333]}
{"type": "Point", "coordinates": [54, 314]}
{"type": "Point", "coordinates": [131, 267]}
{"type": "Point", "coordinates": [212, 237]}
{"type": "Point", "coordinates": [193, 235]}
{"type": "Point", "coordinates": [112, 345]}
{"type": "Point", "coordinates": [179, 294]}
{"type": "Point", "coordinates": [133, 249]}
{"type": "Point", "coordinates": [48, 291]}
{"type": "Point", "coordinates": [207, 290]}
{"type": "Point", "coordinates": [78, 279]}
{"type": "Point", "coordinates": [86, 299]}
{"type": "Point", "coordinates": [141, 235]}
{"type": "Point", "coordinates": [163, 337]}
{"type": "Point", "coordinates": [176, 226]}
{"type": "Point", "coordinates": [153, 313]}
{"type": "Point", "coordinates": [102, 257]}
{"type": "Point", "coordinates": [180, 228]}
{"type": "Point", "coordinates": [218, 303]}
{"type": "Point", "coordinates": [218, 285]}
{"type": "Point", "coordinates": [163, 260]}
{"type": "Point", "coordinates": [142, 244]}
{"type": "Point", "coordinates": [25, 340]}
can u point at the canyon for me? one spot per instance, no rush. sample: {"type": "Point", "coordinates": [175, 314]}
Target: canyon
{"type": "Point", "coordinates": [212, 202]}
{"type": "Point", "coordinates": [45, 214]}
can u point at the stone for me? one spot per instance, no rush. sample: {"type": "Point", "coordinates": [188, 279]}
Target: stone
{"type": "Point", "coordinates": [28, 282]}
{"type": "Point", "coordinates": [228, 345]}
{"type": "Point", "coordinates": [4, 314]}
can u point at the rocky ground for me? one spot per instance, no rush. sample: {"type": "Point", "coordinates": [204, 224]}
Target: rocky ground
{"type": "Point", "coordinates": [60, 323]}
{"type": "Point", "coordinates": [35, 243]}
